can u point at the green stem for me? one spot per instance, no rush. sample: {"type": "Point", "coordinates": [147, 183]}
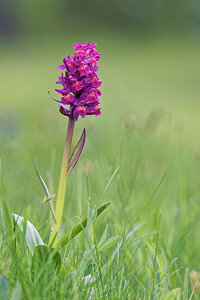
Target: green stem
{"type": "Point", "coordinates": [62, 184]}
{"type": "Point", "coordinates": [155, 256]}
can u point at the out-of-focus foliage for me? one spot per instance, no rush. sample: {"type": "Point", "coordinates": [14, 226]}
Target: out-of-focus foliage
{"type": "Point", "coordinates": [68, 15]}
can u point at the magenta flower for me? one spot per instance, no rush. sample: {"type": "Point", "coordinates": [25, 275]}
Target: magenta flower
{"type": "Point", "coordinates": [80, 83]}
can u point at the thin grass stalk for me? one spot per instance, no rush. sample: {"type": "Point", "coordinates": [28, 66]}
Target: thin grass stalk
{"type": "Point", "coordinates": [155, 256]}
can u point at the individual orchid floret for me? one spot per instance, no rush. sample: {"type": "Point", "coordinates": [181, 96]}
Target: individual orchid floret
{"type": "Point", "coordinates": [80, 83]}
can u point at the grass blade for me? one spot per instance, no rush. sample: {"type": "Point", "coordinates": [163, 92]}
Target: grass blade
{"type": "Point", "coordinates": [151, 197]}
{"type": "Point", "coordinates": [109, 243]}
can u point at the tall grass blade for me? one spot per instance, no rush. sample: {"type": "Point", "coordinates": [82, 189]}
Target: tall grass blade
{"type": "Point", "coordinates": [109, 182]}
{"type": "Point", "coordinates": [151, 197]}
{"type": "Point", "coordinates": [155, 256]}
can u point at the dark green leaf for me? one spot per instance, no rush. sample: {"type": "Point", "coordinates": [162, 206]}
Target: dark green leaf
{"type": "Point", "coordinates": [77, 229]}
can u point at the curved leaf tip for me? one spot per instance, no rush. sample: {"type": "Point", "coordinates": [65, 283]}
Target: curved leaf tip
{"type": "Point", "coordinates": [77, 152]}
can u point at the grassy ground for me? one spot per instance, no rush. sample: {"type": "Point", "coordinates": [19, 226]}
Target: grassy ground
{"type": "Point", "coordinates": [149, 128]}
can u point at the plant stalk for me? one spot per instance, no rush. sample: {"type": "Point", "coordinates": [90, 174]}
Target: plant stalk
{"type": "Point", "coordinates": [62, 185]}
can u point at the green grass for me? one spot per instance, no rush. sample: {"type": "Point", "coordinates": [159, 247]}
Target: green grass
{"type": "Point", "coordinates": [149, 126]}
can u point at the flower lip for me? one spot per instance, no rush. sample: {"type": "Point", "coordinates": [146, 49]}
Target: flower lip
{"type": "Point", "coordinates": [67, 99]}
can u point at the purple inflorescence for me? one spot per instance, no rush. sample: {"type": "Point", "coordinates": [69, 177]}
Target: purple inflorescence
{"type": "Point", "coordinates": [80, 93]}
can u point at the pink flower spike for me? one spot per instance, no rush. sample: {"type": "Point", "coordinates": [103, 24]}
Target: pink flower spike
{"type": "Point", "coordinates": [80, 82]}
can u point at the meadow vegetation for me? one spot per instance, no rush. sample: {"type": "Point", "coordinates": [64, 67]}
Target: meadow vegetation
{"type": "Point", "coordinates": [142, 154]}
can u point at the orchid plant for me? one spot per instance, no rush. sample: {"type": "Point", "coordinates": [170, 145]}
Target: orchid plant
{"type": "Point", "coordinates": [79, 97]}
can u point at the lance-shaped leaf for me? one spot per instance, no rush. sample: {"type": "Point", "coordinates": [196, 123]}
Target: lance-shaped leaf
{"type": "Point", "coordinates": [77, 229]}
{"type": "Point", "coordinates": [41, 179]}
{"type": "Point", "coordinates": [48, 197]}
{"type": "Point", "coordinates": [33, 238]}
{"type": "Point", "coordinates": [109, 243]}
{"type": "Point", "coordinates": [77, 152]}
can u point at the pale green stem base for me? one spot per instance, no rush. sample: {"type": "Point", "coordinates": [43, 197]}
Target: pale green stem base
{"type": "Point", "coordinates": [62, 185]}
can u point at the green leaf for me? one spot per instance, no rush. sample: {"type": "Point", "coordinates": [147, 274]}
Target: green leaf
{"type": "Point", "coordinates": [3, 228]}
{"type": "Point", "coordinates": [77, 229]}
{"type": "Point", "coordinates": [85, 260]}
{"type": "Point", "coordinates": [42, 180]}
{"type": "Point", "coordinates": [89, 228]}
{"type": "Point", "coordinates": [6, 218]}
{"type": "Point", "coordinates": [77, 152]}
{"type": "Point", "coordinates": [7, 227]}
{"type": "Point", "coordinates": [89, 269]}
{"type": "Point", "coordinates": [115, 253]}
{"type": "Point", "coordinates": [103, 237]}
{"type": "Point", "coordinates": [48, 198]}
{"type": "Point", "coordinates": [45, 261]}
{"type": "Point", "coordinates": [109, 243]}
{"type": "Point", "coordinates": [32, 236]}
{"type": "Point", "coordinates": [134, 229]}
{"type": "Point", "coordinates": [162, 263]}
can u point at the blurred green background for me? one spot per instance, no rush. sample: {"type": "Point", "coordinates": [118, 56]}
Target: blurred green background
{"type": "Point", "coordinates": [150, 69]}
